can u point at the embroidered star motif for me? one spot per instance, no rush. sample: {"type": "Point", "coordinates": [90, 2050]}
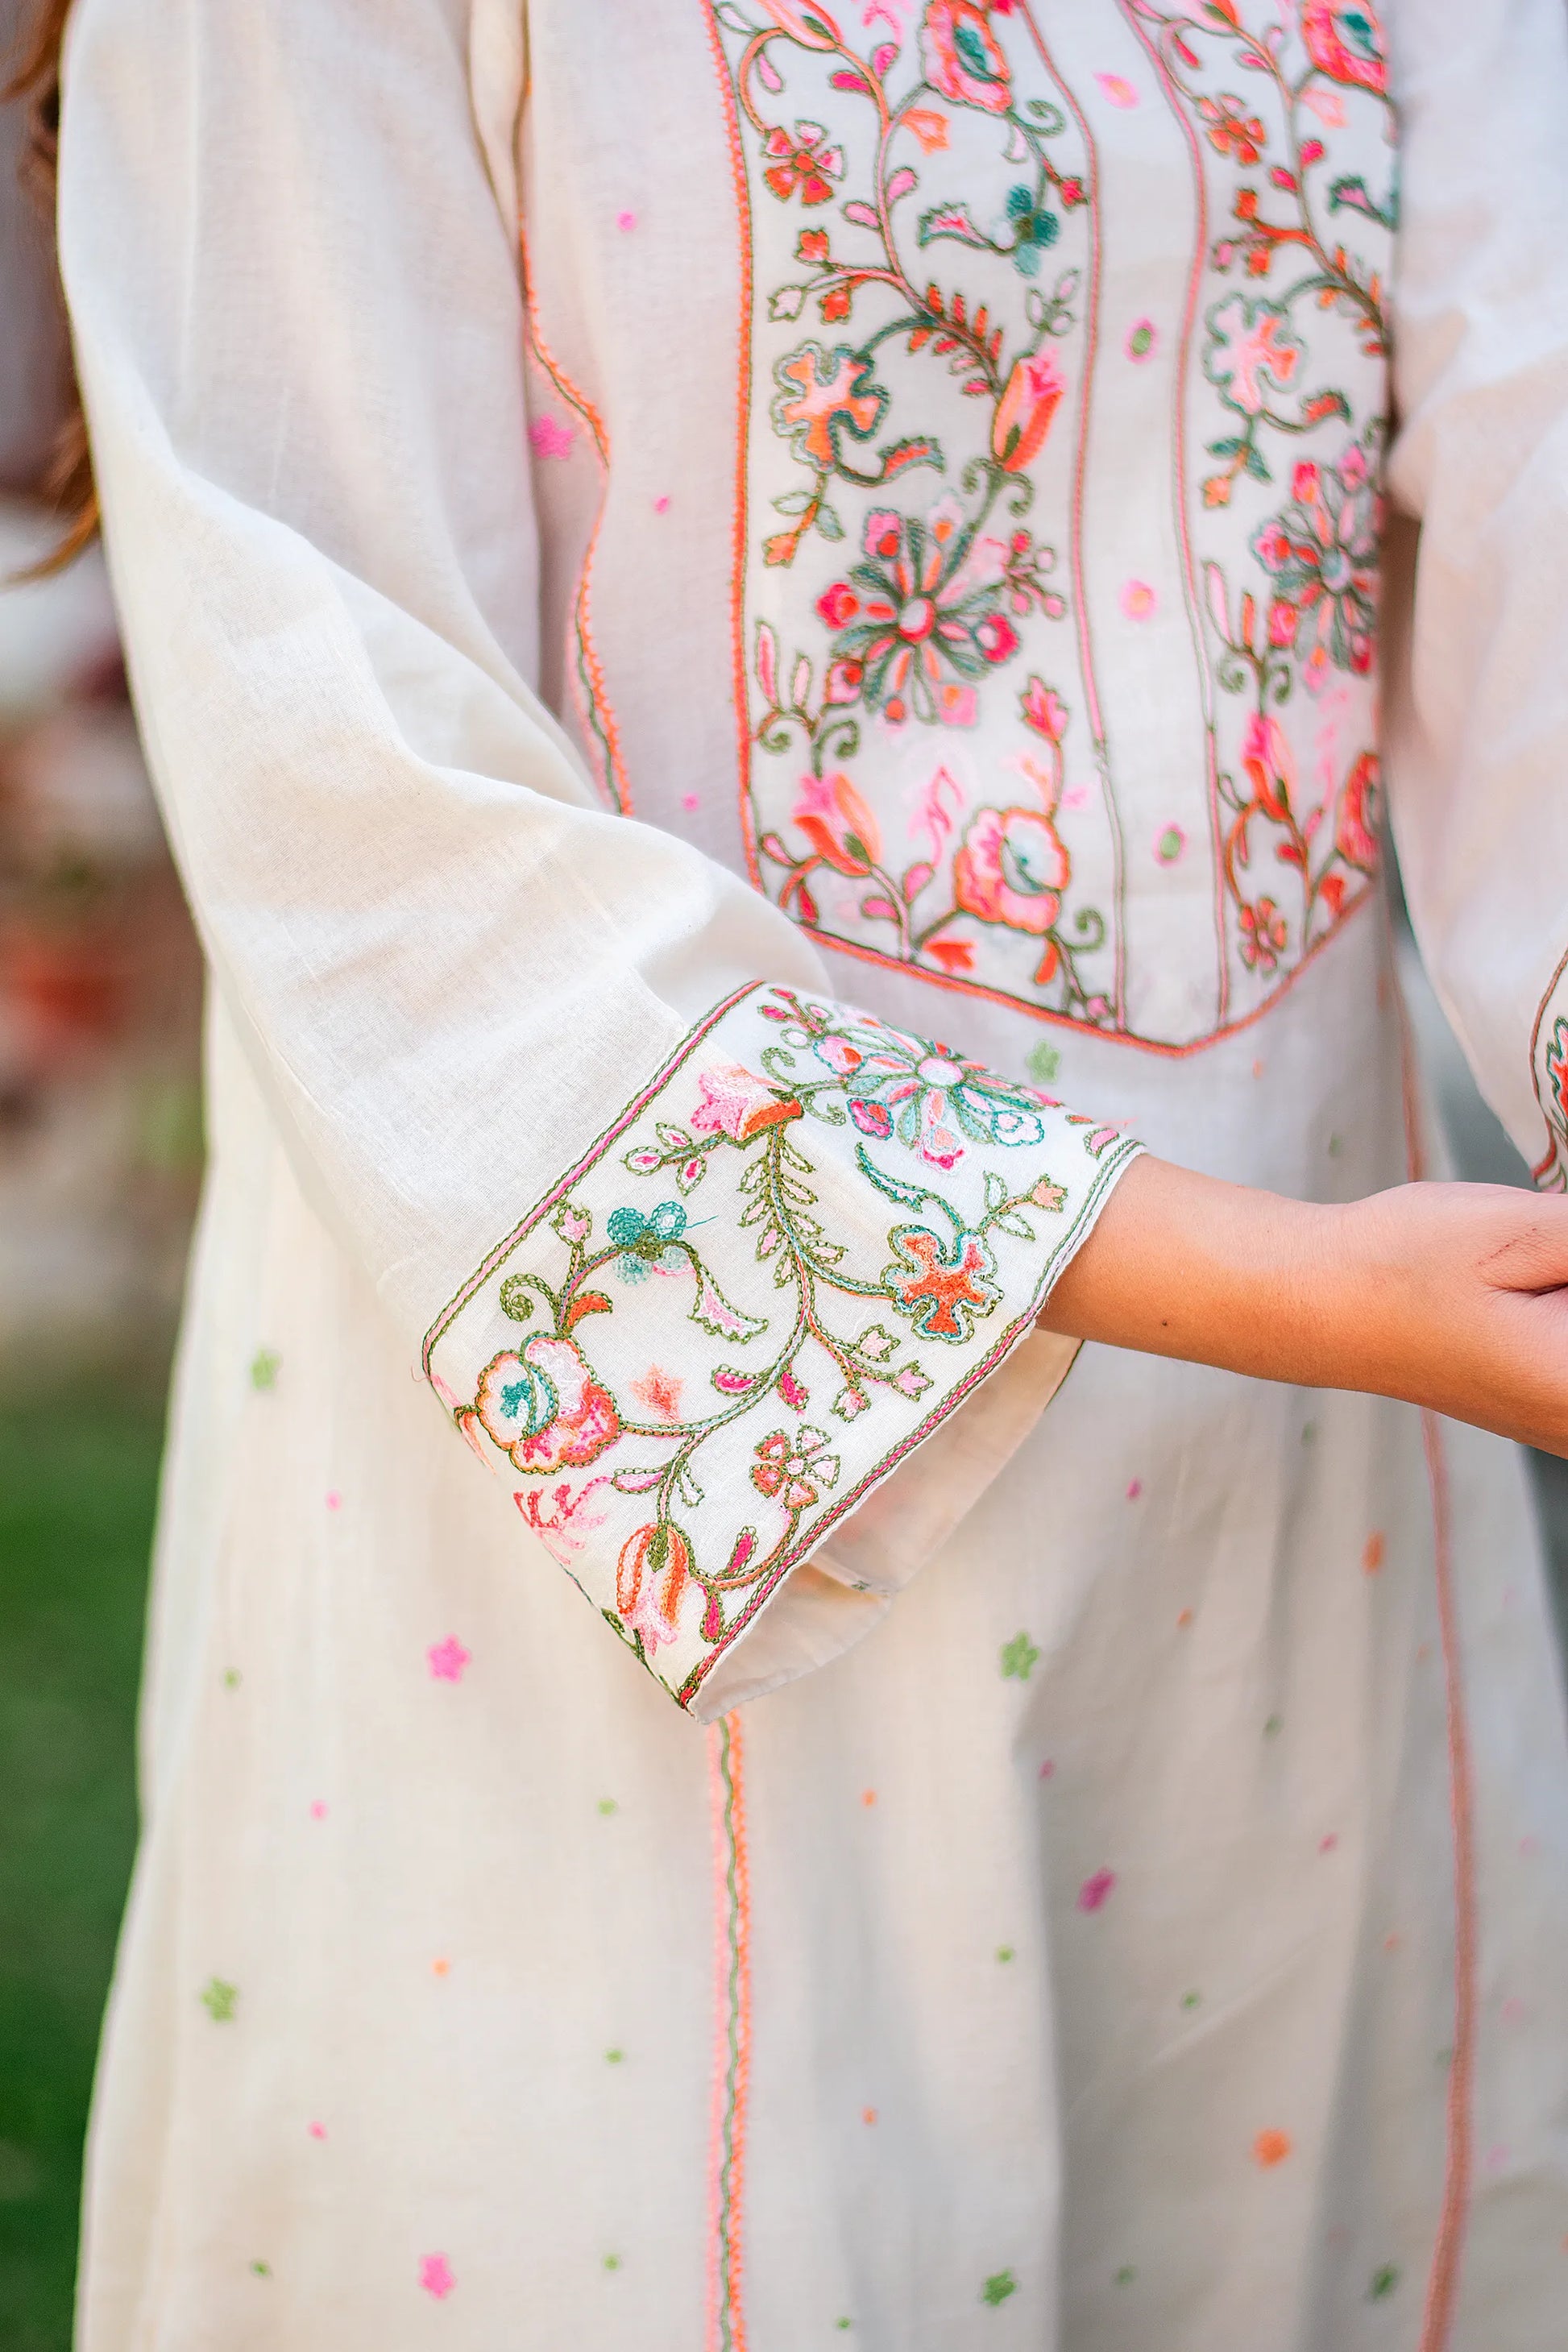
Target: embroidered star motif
{"type": "Point", "coordinates": [1019, 1658]}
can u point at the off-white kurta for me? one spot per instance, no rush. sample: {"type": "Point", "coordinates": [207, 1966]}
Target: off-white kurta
{"type": "Point", "coordinates": [672, 557]}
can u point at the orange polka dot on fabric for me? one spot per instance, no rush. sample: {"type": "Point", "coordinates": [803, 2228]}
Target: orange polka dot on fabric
{"type": "Point", "coordinates": [1270, 2147]}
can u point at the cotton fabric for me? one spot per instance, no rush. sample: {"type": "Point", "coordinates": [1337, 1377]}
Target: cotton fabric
{"type": "Point", "coordinates": [1148, 1932]}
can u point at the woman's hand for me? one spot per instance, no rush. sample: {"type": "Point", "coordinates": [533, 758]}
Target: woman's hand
{"type": "Point", "coordinates": [1452, 1296]}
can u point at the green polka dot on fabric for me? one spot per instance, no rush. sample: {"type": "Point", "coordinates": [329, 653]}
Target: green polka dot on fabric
{"type": "Point", "coordinates": [1191, 1999]}
{"type": "Point", "coordinates": [1004, 1952]}
{"type": "Point", "coordinates": [264, 1367]}
{"type": "Point", "coordinates": [1125, 2275]}
{"type": "Point", "coordinates": [231, 1679]}
{"type": "Point", "coordinates": [998, 2287]}
{"type": "Point", "coordinates": [1384, 2283]}
{"type": "Point", "coordinates": [607, 1805]}
{"type": "Point", "coordinates": [218, 1999]}
{"type": "Point", "coordinates": [261, 2270]}
{"type": "Point", "coordinates": [615, 2057]}
{"type": "Point", "coordinates": [1044, 1062]}
{"type": "Point", "coordinates": [612, 2261]}
{"type": "Point", "coordinates": [1019, 1658]}
{"type": "Point", "coordinates": [1274, 1726]}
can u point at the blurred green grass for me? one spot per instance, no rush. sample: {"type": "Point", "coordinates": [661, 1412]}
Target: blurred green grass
{"type": "Point", "coordinates": [78, 1484]}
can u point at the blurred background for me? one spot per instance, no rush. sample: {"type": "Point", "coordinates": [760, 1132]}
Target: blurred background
{"type": "Point", "coordinates": [100, 1167]}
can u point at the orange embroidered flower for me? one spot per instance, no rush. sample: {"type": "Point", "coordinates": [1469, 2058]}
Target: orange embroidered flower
{"type": "Point", "coordinates": [804, 163]}
{"type": "Point", "coordinates": [929, 127]}
{"type": "Point", "coordinates": [821, 395]}
{"type": "Point", "coordinates": [651, 1577]}
{"type": "Point", "coordinates": [839, 824]}
{"type": "Point", "coordinates": [1231, 131]}
{"type": "Point", "coordinates": [941, 1292]}
{"type": "Point", "coordinates": [964, 59]}
{"type": "Point", "coordinates": [1030, 400]}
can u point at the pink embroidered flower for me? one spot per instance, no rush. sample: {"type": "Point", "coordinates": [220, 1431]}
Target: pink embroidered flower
{"type": "Point", "coordinates": [651, 1577]}
{"type": "Point", "coordinates": [1030, 398]}
{"type": "Point", "coordinates": [1012, 869]}
{"type": "Point", "coordinates": [1360, 804]}
{"type": "Point", "coordinates": [1268, 765]}
{"type": "Point", "coordinates": [1283, 622]}
{"type": "Point", "coordinates": [562, 1520]}
{"type": "Point", "coordinates": [1263, 935]}
{"type": "Point", "coordinates": [447, 1659]}
{"type": "Point", "coordinates": [1323, 554]}
{"type": "Point", "coordinates": [435, 2276]}
{"type": "Point", "coordinates": [572, 1223]}
{"type": "Point", "coordinates": [1251, 352]}
{"type": "Point", "coordinates": [660, 1392]}
{"type": "Point", "coordinates": [542, 1407]}
{"type": "Point", "coordinates": [964, 59]}
{"type": "Point", "coordinates": [794, 1470]}
{"type": "Point", "coordinates": [837, 605]}
{"type": "Point", "coordinates": [733, 1101]}
{"type": "Point", "coordinates": [1044, 710]}
{"type": "Point", "coordinates": [549, 437]}
{"type": "Point", "coordinates": [1096, 1890]}
{"type": "Point", "coordinates": [1344, 40]}
{"type": "Point", "coordinates": [804, 162]}
{"type": "Point", "coordinates": [1139, 600]}
{"type": "Point", "coordinates": [837, 822]}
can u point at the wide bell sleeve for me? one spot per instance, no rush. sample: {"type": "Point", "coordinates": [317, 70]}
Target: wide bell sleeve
{"type": "Point", "coordinates": [1477, 735]}
{"type": "Point", "coordinates": [697, 1261]}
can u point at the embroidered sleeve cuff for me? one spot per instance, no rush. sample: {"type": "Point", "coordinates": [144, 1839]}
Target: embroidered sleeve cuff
{"type": "Point", "coordinates": [806, 1242]}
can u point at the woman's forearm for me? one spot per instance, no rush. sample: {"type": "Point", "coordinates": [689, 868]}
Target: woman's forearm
{"type": "Point", "coordinates": [1450, 1294]}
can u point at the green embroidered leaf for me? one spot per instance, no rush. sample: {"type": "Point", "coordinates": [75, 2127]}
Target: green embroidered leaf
{"type": "Point", "coordinates": [1350, 194]}
{"type": "Point", "coordinates": [908, 1196]}
{"type": "Point", "coordinates": [787, 303]}
{"type": "Point", "coordinates": [1231, 445]}
{"type": "Point", "coordinates": [674, 1138]}
{"type": "Point", "coordinates": [1019, 1228]}
{"type": "Point", "coordinates": [793, 502]}
{"type": "Point", "coordinates": [997, 1191]}
{"type": "Point", "coordinates": [1257, 465]}
{"type": "Point", "coordinates": [827, 522]}
{"type": "Point", "coordinates": [688, 1487]}
{"type": "Point", "coordinates": [733, 19]}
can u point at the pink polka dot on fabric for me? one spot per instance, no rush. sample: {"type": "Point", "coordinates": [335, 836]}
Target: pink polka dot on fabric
{"type": "Point", "coordinates": [318, 1809]}
{"type": "Point", "coordinates": [1134, 1490]}
{"type": "Point", "coordinates": [1327, 1844]}
{"type": "Point", "coordinates": [691, 800]}
{"type": "Point", "coordinates": [1047, 1768]}
{"type": "Point", "coordinates": [435, 2276]}
{"type": "Point", "coordinates": [317, 2131]}
{"type": "Point", "coordinates": [1139, 600]}
{"type": "Point", "coordinates": [626, 221]}
{"type": "Point", "coordinates": [1119, 90]}
{"type": "Point", "coordinates": [334, 1500]}
{"type": "Point", "coordinates": [661, 506]}
{"type": "Point", "coordinates": [448, 1660]}
{"type": "Point", "coordinates": [550, 436]}
{"type": "Point", "coordinates": [1096, 1890]}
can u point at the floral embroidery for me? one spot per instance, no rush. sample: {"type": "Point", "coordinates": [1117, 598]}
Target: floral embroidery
{"type": "Point", "coordinates": [1295, 351]}
{"type": "Point", "coordinates": [880, 1216]}
{"type": "Point", "coordinates": [911, 326]}
{"type": "Point", "coordinates": [1549, 1057]}
{"type": "Point", "coordinates": [435, 2276]}
{"type": "Point", "coordinates": [447, 1659]}
{"type": "Point", "coordinates": [998, 2287]}
{"type": "Point", "coordinates": [934, 603]}
{"type": "Point", "coordinates": [220, 2000]}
